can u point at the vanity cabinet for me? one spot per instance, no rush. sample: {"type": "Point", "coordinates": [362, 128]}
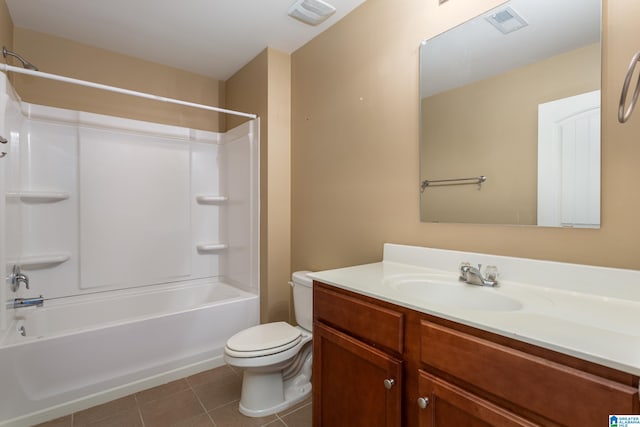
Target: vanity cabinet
{"type": "Point", "coordinates": [444, 373]}
{"type": "Point", "coordinates": [357, 370]}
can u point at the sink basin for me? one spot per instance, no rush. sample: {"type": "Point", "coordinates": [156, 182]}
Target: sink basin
{"type": "Point", "coordinates": [454, 293]}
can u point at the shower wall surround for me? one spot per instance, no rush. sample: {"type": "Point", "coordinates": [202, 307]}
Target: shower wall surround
{"type": "Point", "coordinates": [96, 203]}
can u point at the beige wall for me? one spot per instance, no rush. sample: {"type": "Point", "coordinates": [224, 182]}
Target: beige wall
{"type": "Point", "coordinates": [6, 27]}
{"type": "Point", "coordinates": [355, 146]}
{"type": "Point", "coordinates": [68, 58]}
{"type": "Point", "coordinates": [504, 150]}
{"type": "Point", "coordinates": [263, 86]}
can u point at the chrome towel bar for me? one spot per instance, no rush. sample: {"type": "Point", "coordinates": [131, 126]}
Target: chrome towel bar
{"type": "Point", "coordinates": [453, 181]}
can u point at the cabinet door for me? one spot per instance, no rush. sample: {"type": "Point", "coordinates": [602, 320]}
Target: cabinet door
{"type": "Point", "coordinates": [354, 384]}
{"type": "Point", "coordinates": [449, 405]}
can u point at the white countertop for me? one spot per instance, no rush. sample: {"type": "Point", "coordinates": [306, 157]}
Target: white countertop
{"type": "Point", "coordinates": [600, 324]}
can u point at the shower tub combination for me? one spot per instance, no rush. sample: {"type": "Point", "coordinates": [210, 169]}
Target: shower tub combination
{"type": "Point", "coordinates": [142, 239]}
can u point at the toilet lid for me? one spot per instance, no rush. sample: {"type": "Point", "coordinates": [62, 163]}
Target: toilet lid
{"type": "Point", "coordinates": [264, 337]}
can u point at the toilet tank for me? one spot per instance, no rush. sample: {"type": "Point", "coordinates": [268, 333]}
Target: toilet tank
{"type": "Point", "coordinates": [303, 299]}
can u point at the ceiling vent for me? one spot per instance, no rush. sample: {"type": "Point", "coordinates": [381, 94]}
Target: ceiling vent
{"type": "Point", "coordinates": [311, 12]}
{"type": "Point", "coordinates": [506, 20]}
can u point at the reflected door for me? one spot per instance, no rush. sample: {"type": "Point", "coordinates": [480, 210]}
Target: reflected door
{"type": "Point", "coordinates": [569, 162]}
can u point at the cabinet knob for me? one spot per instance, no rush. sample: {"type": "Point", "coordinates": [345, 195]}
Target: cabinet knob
{"type": "Point", "coordinates": [423, 402]}
{"type": "Point", "coordinates": [389, 383]}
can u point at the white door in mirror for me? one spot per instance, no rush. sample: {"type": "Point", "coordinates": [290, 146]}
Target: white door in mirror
{"type": "Point", "coordinates": [569, 161]}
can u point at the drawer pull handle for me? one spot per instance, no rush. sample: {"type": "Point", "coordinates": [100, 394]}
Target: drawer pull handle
{"type": "Point", "coordinates": [423, 402]}
{"type": "Point", "coordinates": [389, 383]}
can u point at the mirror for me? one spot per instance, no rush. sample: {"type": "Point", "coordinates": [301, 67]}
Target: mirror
{"type": "Point", "coordinates": [510, 117]}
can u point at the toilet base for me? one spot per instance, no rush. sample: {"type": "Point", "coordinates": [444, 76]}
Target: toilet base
{"type": "Point", "coordinates": [287, 403]}
{"type": "Point", "coordinates": [265, 394]}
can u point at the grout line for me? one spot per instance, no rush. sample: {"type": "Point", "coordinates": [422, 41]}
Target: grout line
{"type": "Point", "coordinates": [293, 411]}
{"type": "Point", "coordinates": [211, 419]}
{"type": "Point", "coordinates": [105, 416]}
{"type": "Point", "coordinates": [236, 371]}
{"type": "Point", "coordinates": [188, 382]}
{"type": "Point", "coordinates": [190, 387]}
{"type": "Point", "coordinates": [199, 400]}
{"type": "Point", "coordinates": [273, 423]}
{"type": "Point", "coordinates": [141, 417]}
{"type": "Point", "coordinates": [135, 396]}
{"type": "Point", "coordinates": [281, 420]}
{"type": "Point", "coordinates": [278, 418]}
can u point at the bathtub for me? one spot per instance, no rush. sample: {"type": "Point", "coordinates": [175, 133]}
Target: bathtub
{"type": "Point", "coordinates": [52, 365]}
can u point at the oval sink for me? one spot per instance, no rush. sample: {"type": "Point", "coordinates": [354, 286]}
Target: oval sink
{"type": "Point", "coordinates": [456, 294]}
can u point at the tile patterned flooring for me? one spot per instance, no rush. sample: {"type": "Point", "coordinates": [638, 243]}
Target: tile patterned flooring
{"type": "Point", "coordinates": [206, 399]}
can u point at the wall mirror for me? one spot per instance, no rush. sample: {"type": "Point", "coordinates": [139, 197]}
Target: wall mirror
{"type": "Point", "coordinates": [510, 117]}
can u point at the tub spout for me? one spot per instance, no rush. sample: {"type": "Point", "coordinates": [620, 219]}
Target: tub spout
{"type": "Point", "coordinates": [26, 302]}
{"type": "Point", "coordinates": [16, 277]}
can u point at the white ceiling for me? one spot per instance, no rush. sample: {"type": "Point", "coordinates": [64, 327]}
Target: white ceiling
{"type": "Point", "coordinates": [209, 37]}
{"type": "Point", "coordinates": [476, 50]}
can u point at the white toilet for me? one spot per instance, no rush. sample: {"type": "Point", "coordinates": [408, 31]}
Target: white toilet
{"type": "Point", "coordinates": [276, 357]}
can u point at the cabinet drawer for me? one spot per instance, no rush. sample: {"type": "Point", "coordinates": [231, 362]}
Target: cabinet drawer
{"type": "Point", "coordinates": [558, 392]}
{"type": "Point", "coordinates": [376, 325]}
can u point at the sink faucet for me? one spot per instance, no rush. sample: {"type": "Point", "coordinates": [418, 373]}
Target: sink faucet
{"type": "Point", "coordinates": [26, 302]}
{"type": "Point", "coordinates": [473, 275]}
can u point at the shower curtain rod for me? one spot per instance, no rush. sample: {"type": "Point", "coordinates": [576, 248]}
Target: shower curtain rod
{"type": "Point", "coordinates": [49, 76]}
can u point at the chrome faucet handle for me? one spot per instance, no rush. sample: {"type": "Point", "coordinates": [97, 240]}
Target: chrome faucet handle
{"type": "Point", "coordinates": [22, 278]}
{"type": "Point", "coordinates": [491, 273]}
{"type": "Point", "coordinates": [464, 269]}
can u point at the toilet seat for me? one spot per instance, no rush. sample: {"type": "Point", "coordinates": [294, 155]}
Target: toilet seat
{"type": "Point", "coordinates": [263, 340]}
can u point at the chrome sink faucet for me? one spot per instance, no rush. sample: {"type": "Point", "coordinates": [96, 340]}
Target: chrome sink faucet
{"type": "Point", "coordinates": [473, 275]}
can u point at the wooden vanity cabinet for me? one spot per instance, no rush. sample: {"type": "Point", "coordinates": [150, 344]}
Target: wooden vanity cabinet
{"type": "Point", "coordinates": [357, 362]}
{"type": "Point", "coordinates": [444, 373]}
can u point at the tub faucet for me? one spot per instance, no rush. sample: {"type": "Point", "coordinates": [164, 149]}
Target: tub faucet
{"type": "Point", "coordinates": [26, 302]}
{"type": "Point", "coordinates": [473, 275]}
{"type": "Point", "coordinates": [16, 277]}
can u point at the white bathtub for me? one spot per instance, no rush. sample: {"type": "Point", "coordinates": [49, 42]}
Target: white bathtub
{"type": "Point", "coordinates": [126, 341]}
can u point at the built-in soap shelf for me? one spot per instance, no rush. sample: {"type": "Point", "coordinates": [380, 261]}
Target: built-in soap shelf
{"type": "Point", "coordinates": [38, 196]}
{"type": "Point", "coordinates": [210, 199]}
{"type": "Point", "coordinates": [211, 247]}
{"type": "Point", "coordinates": [41, 260]}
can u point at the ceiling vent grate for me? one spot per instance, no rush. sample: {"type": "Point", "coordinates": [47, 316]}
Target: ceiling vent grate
{"type": "Point", "coordinates": [506, 20]}
{"type": "Point", "coordinates": [311, 12]}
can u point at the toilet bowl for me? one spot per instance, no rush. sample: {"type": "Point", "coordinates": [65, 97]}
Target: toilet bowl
{"type": "Point", "coordinates": [275, 357]}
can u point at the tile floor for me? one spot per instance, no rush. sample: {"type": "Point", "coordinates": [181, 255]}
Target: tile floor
{"type": "Point", "coordinates": [209, 398]}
